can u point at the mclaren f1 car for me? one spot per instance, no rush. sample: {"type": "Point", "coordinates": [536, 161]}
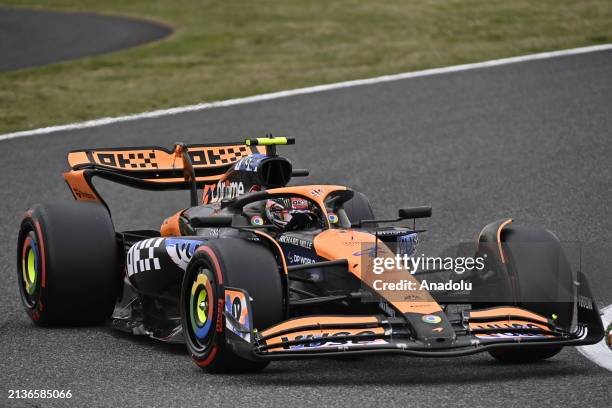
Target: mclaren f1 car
{"type": "Point", "coordinates": [256, 269]}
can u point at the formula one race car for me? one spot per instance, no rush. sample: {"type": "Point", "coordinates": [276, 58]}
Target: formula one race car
{"type": "Point", "coordinates": [255, 270]}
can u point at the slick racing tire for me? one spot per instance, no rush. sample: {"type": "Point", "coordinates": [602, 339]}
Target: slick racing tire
{"type": "Point", "coordinates": [234, 263]}
{"type": "Point", "coordinates": [536, 276]}
{"type": "Point", "coordinates": [517, 355]}
{"type": "Point", "coordinates": [67, 264]}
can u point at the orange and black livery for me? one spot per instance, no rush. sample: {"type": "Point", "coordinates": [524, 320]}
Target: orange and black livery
{"type": "Point", "coordinates": [256, 267]}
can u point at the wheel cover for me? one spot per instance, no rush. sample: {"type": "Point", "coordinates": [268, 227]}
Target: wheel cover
{"type": "Point", "coordinates": [201, 307]}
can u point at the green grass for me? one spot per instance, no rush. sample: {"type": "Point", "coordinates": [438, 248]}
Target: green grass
{"type": "Point", "coordinates": [233, 48]}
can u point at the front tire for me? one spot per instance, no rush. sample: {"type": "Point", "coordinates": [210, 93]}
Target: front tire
{"type": "Point", "coordinates": [522, 355]}
{"type": "Point", "coordinates": [536, 276]}
{"type": "Point", "coordinates": [67, 263]}
{"type": "Point", "coordinates": [236, 263]}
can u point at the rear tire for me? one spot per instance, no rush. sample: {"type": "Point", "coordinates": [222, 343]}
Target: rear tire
{"type": "Point", "coordinates": [67, 263]}
{"type": "Point", "coordinates": [236, 263]}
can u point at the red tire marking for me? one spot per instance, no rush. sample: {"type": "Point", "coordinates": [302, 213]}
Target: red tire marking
{"type": "Point", "coordinates": [215, 261]}
{"type": "Point", "coordinates": [209, 359]}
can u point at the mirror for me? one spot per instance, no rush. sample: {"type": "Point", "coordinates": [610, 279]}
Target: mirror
{"type": "Point", "coordinates": [211, 222]}
{"type": "Point", "coordinates": [414, 212]}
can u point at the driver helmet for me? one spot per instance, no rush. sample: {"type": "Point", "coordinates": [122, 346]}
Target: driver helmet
{"type": "Point", "coordinates": [280, 210]}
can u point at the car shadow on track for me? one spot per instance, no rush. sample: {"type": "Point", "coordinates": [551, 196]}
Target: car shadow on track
{"type": "Point", "coordinates": [377, 371]}
{"type": "Point", "coordinates": [397, 371]}
{"type": "Point", "coordinates": [389, 370]}
{"type": "Point", "coordinates": [144, 341]}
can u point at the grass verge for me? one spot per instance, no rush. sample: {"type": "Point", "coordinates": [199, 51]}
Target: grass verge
{"type": "Point", "coordinates": [236, 48]}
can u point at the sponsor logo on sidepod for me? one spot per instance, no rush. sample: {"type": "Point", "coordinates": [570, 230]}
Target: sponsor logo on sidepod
{"type": "Point", "coordinates": [298, 259]}
{"type": "Point", "coordinates": [224, 189]}
{"type": "Point", "coordinates": [181, 250]}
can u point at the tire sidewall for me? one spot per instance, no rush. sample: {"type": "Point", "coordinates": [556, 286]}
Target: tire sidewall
{"type": "Point", "coordinates": [35, 308]}
{"type": "Point", "coordinates": [79, 261]}
{"type": "Point", "coordinates": [219, 356]}
{"type": "Point", "coordinates": [204, 257]}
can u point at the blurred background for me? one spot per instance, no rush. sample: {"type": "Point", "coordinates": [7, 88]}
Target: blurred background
{"type": "Point", "coordinates": [206, 50]}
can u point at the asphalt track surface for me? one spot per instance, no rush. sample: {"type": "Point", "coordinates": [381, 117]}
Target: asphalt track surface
{"type": "Point", "coordinates": [530, 141]}
{"type": "Point", "coordinates": [30, 38]}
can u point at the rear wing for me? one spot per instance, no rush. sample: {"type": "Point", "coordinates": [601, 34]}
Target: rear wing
{"type": "Point", "coordinates": [185, 167]}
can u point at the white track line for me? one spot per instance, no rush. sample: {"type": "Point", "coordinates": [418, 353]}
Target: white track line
{"type": "Point", "coordinates": [303, 91]}
{"type": "Point", "coordinates": [600, 353]}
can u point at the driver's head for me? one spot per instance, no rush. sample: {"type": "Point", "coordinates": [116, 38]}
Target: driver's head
{"type": "Point", "coordinates": [280, 211]}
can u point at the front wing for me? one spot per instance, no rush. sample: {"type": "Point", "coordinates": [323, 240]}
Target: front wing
{"type": "Point", "coordinates": [470, 332]}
